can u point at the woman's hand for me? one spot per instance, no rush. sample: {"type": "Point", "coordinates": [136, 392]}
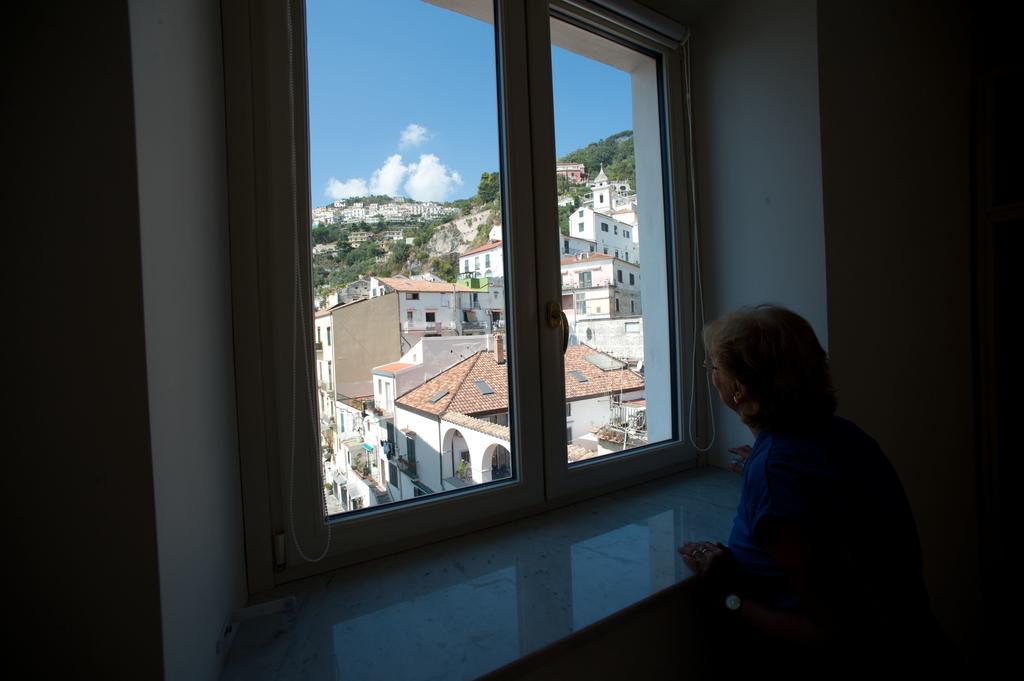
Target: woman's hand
{"type": "Point", "coordinates": [743, 451]}
{"type": "Point", "coordinates": [711, 562]}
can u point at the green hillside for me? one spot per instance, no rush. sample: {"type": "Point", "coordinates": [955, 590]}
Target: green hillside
{"type": "Point", "coordinates": [615, 152]}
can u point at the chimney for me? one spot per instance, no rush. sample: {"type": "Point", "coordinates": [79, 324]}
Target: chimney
{"type": "Point", "coordinates": [499, 349]}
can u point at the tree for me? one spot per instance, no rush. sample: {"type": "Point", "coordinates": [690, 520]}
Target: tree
{"type": "Point", "coordinates": [563, 183]}
{"type": "Point", "coordinates": [614, 152]}
{"type": "Point", "coordinates": [399, 257]}
{"type": "Point", "coordinates": [487, 190]}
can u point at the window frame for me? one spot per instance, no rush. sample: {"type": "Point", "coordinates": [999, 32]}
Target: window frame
{"type": "Point", "coordinates": [268, 149]}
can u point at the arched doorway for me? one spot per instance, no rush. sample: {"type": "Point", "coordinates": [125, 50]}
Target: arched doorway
{"type": "Point", "coordinates": [455, 451]}
{"type": "Point", "coordinates": [500, 462]}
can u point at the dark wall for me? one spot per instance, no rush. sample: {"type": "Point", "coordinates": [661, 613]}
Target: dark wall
{"type": "Point", "coordinates": [86, 588]}
{"type": "Point", "coordinates": [895, 83]}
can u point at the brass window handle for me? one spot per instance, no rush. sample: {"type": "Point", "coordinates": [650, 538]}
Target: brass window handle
{"type": "Point", "coordinates": [556, 319]}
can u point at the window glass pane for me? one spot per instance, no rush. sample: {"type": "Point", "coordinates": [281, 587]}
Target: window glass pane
{"type": "Point", "coordinates": [404, 167]}
{"type": "Point", "coordinates": [614, 276]}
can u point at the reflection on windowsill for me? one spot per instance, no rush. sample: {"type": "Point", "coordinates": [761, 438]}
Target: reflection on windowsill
{"type": "Point", "coordinates": [469, 605]}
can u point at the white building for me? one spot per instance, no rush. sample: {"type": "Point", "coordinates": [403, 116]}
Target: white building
{"type": "Point", "coordinates": [613, 237]}
{"type": "Point", "coordinates": [323, 343]}
{"type": "Point", "coordinates": [608, 196]}
{"type": "Point", "coordinates": [324, 216]}
{"type": "Point", "coordinates": [387, 440]}
{"type": "Point", "coordinates": [618, 337]}
{"type": "Point", "coordinates": [571, 245]}
{"type": "Point", "coordinates": [597, 286]}
{"type": "Point", "coordinates": [483, 261]}
{"type": "Point", "coordinates": [432, 306]}
{"type": "Point", "coordinates": [455, 425]}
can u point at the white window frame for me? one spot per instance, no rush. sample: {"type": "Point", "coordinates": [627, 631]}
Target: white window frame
{"type": "Point", "coordinates": [268, 185]}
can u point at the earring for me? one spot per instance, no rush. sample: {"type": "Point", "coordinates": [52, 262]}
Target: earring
{"type": "Point", "coordinates": [736, 398]}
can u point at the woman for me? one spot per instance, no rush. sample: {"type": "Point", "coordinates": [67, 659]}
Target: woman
{"type": "Point", "coordinates": [822, 574]}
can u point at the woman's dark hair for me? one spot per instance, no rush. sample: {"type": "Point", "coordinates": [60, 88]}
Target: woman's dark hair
{"type": "Point", "coordinates": [774, 353]}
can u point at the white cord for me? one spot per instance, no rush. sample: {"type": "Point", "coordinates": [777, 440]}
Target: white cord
{"type": "Point", "coordinates": [698, 308]}
{"type": "Point", "coordinates": [298, 317]}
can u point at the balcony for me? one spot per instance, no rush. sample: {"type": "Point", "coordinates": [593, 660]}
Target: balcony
{"type": "Point", "coordinates": [631, 417]}
{"type": "Point", "coordinates": [326, 387]}
{"type": "Point", "coordinates": [437, 327]}
{"type": "Point", "coordinates": [578, 285]}
{"type": "Point", "coordinates": [319, 346]}
{"type": "Point", "coordinates": [408, 467]}
{"type": "Point", "coordinates": [474, 327]}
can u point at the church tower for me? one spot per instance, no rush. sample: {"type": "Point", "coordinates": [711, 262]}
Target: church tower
{"type": "Point", "coordinates": [603, 192]}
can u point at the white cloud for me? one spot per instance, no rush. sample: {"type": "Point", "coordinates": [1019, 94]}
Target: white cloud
{"type": "Point", "coordinates": [336, 189]}
{"type": "Point", "coordinates": [426, 180]}
{"type": "Point", "coordinates": [388, 178]}
{"type": "Point", "coordinates": [430, 180]}
{"type": "Point", "coordinates": [413, 136]}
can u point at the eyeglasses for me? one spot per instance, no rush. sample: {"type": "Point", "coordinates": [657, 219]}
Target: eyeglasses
{"type": "Point", "coordinates": [709, 367]}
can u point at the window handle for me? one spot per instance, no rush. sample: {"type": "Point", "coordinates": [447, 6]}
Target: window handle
{"type": "Point", "coordinates": [557, 319]}
{"type": "Point", "coordinates": [565, 331]}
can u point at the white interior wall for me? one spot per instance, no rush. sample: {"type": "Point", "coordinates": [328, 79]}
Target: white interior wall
{"type": "Point", "coordinates": [758, 156]}
{"type": "Point", "coordinates": [179, 109]}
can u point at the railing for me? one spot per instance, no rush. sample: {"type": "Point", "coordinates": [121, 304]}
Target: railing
{"type": "Point", "coordinates": [319, 350]}
{"type": "Point", "coordinates": [474, 326]}
{"type": "Point", "coordinates": [326, 387]}
{"type": "Point", "coordinates": [633, 416]}
{"type": "Point", "coordinates": [408, 467]}
{"type": "Point", "coordinates": [566, 286]}
{"type": "Point", "coordinates": [416, 325]}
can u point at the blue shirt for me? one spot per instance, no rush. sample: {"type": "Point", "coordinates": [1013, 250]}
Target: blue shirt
{"type": "Point", "coordinates": [838, 485]}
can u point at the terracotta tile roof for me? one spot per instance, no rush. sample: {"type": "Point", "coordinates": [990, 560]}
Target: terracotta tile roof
{"type": "Point", "coordinates": [462, 395]}
{"type": "Point", "coordinates": [481, 249]}
{"type": "Point", "coordinates": [393, 367]}
{"type": "Point", "coordinates": [479, 425]}
{"type": "Point", "coordinates": [599, 381]}
{"type": "Point", "coordinates": [419, 286]}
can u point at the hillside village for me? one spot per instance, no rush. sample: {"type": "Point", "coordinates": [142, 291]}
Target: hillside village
{"type": "Point", "coordinates": [411, 357]}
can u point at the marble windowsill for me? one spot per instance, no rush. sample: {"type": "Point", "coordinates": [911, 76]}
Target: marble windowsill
{"type": "Point", "coordinates": [470, 605]}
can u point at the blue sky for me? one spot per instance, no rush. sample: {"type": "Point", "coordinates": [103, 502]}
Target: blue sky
{"type": "Point", "coordinates": [402, 100]}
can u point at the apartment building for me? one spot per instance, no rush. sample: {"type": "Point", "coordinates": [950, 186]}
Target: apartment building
{"type": "Point", "coordinates": [431, 306]}
{"type": "Point", "coordinates": [454, 426]}
{"type": "Point", "coordinates": [570, 245]}
{"type": "Point", "coordinates": [574, 172]}
{"type": "Point", "coordinates": [483, 261]}
{"type": "Point", "coordinates": [611, 236]}
{"type": "Point", "coordinates": [597, 286]}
